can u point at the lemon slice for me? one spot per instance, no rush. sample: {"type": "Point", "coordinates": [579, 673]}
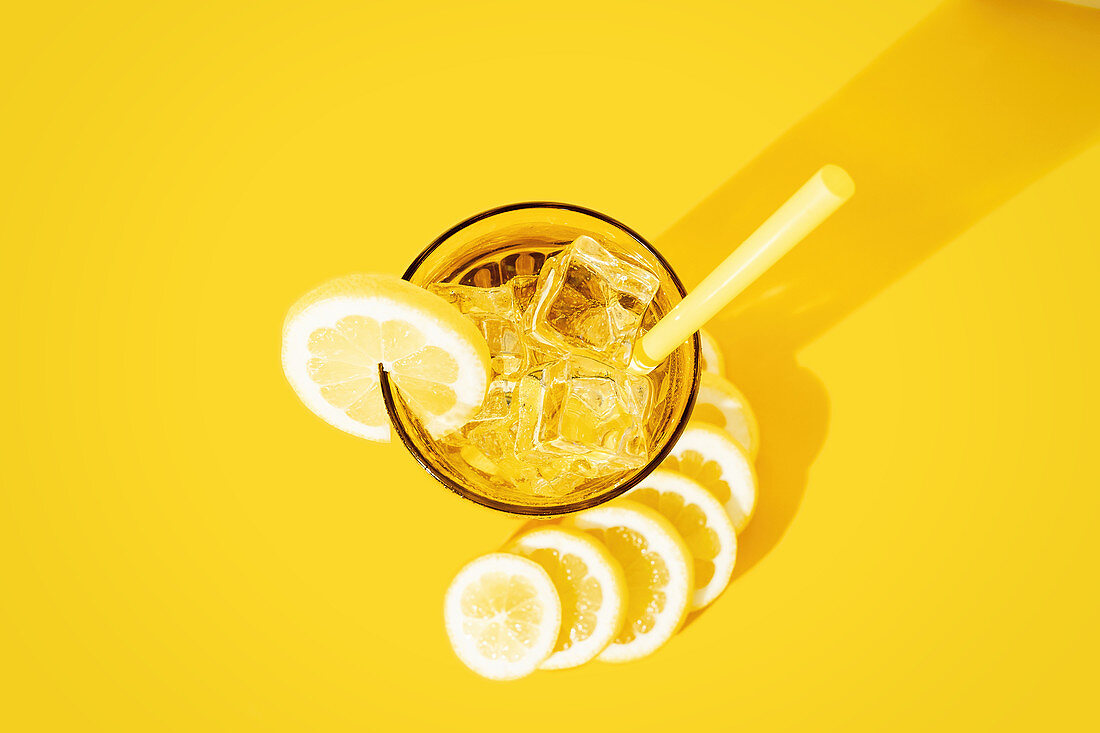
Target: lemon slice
{"type": "Point", "coordinates": [336, 335]}
{"type": "Point", "coordinates": [591, 587]}
{"type": "Point", "coordinates": [702, 522]}
{"type": "Point", "coordinates": [502, 616]}
{"type": "Point", "coordinates": [658, 569]}
{"type": "Point", "coordinates": [711, 456]}
{"type": "Point", "coordinates": [710, 357]}
{"type": "Point", "coordinates": [721, 404]}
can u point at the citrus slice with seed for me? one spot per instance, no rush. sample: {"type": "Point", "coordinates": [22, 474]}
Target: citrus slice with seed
{"type": "Point", "coordinates": [722, 405]}
{"type": "Point", "coordinates": [711, 456]}
{"type": "Point", "coordinates": [336, 335]}
{"type": "Point", "coordinates": [591, 587]}
{"type": "Point", "coordinates": [710, 357]}
{"type": "Point", "coordinates": [502, 616]}
{"type": "Point", "coordinates": [702, 522]}
{"type": "Point", "coordinates": [658, 568]}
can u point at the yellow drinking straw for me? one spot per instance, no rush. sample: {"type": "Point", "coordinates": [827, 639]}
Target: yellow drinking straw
{"type": "Point", "coordinates": [812, 204]}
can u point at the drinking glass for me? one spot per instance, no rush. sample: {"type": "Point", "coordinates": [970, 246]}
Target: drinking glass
{"type": "Point", "coordinates": [489, 249]}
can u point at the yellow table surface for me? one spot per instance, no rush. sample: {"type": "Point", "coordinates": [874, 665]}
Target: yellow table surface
{"type": "Point", "coordinates": [185, 548]}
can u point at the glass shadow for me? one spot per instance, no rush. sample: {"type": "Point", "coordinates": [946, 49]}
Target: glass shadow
{"type": "Point", "coordinates": [964, 111]}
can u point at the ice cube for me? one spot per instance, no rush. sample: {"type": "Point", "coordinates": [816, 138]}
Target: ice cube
{"type": "Point", "coordinates": [555, 479]}
{"type": "Point", "coordinates": [591, 301]}
{"type": "Point", "coordinates": [488, 444]}
{"type": "Point", "coordinates": [487, 441]}
{"type": "Point", "coordinates": [476, 301]}
{"type": "Point", "coordinates": [494, 408]}
{"type": "Point", "coordinates": [523, 291]}
{"type": "Point", "coordinates": [493, 441]}
{"type": "Point", "coordinates": [495, 437]}
{"type": "Point", "coordinates": [584, 415]}
{"type": "Point", "coordinates": [493, 311]}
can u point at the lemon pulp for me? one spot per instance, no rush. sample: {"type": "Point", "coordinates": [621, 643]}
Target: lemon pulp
{"type": "Point", "coordinates": [690, 521]}
{"type": "Point", "coordinates": [344, 362]}
{"type": "Point", "coordinates": [646, 573]}
{"type": "Point", "coordinates": [580, 594]}
{"type": "Point", "coordinates": [502, 613]}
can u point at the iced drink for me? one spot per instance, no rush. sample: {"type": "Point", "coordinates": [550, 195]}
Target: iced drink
{"type": "Point", "coordinates": [561, 407]}
{"type": "Point", "coordinates": [561, 294]}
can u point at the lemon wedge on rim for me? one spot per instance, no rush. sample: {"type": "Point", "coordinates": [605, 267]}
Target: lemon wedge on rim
{"type": "Point", "coordinates": [336, 335]}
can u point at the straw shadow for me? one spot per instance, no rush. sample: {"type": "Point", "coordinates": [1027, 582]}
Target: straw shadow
{"type": "Point", "coordinates": [970, 106]}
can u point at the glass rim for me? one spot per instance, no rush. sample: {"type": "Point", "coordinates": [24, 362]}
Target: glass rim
{"type": "Point", "coordinates": [545, 510]}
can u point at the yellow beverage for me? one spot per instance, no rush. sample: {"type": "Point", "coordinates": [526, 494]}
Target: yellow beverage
{"type": "Point", "coordinates": [561, 295]}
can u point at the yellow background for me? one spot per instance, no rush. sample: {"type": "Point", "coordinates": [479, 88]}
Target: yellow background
{"type": "Point", "coordinates": [185, 548]}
